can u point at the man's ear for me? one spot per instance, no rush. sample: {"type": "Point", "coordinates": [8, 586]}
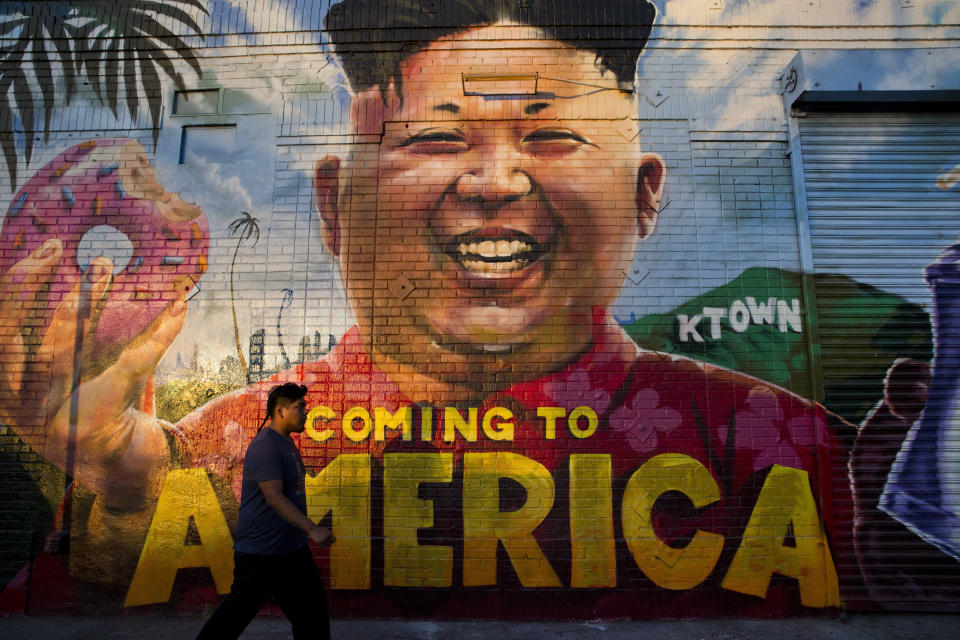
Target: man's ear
{"type": "Point", "coordinates": [326, 189]}
{"type": "Point", "coordinates": [651, 175]}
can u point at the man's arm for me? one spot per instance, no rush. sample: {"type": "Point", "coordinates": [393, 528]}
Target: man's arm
{"type": "Point", "coordinates": [273, 493]}
{"type": "Point", "coordinates": [915, 574]}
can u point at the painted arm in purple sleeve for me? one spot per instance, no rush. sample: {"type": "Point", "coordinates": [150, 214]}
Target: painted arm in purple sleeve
{"type": "Point", "coordinates": [905, 466]}
{"type": "Point", "coordinates": [923, 491]}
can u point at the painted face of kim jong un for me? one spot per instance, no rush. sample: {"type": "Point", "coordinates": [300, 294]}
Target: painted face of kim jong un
{"type": "Point", "coordinates": [486, 225]}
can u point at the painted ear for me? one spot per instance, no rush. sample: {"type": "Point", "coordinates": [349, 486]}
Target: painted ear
{"type": "Point", "coordinates": [326, 186]}
{"type": "Point", "coordinates": [651, 175]}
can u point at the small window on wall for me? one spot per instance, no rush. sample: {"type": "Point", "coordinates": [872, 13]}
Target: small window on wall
{"type": "Point", "coordinates": [196, 103]}
{"type": "Point", "coordinates": [219, 101]}
{"type": "Point", "coordinates": [210, 120]}
{"type": "Point", "coordinates": [208, 143]}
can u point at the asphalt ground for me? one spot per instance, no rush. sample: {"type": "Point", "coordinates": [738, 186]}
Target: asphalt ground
{"type": "Point", "coordinates": [850, 627]}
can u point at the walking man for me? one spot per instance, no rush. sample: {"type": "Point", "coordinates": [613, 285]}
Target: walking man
{"type": "Point", "coordinates": [271, 554]}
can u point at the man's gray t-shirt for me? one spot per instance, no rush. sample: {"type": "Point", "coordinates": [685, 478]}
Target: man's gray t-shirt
{"type": "Point", "coordinates": [260, 529]}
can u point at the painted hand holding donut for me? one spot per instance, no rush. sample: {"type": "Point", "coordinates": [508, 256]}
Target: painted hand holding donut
{"type": "Point", "coordinates": [102, 197]}
{"type": "Point", "coordinates": [97, 261]}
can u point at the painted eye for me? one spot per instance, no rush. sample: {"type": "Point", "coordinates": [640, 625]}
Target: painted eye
{"type": "Point", "coordinates": [553, 142]}
{"type": "Point", "coordinates": [435, 142]}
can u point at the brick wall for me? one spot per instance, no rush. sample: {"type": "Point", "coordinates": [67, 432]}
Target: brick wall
{"type": "Point", "coordinates": [461, 278]}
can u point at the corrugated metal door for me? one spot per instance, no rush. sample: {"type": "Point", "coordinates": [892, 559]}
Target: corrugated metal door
{"type": "Point", "coordinates": [882, 194]}
{"type": "Point", "coordinates": [876, 215]}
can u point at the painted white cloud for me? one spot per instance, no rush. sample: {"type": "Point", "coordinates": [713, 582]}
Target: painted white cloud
{"type": "Point", "coordinates": [207, 184]}
{"type": "Point", "coordinates": [730, 85]}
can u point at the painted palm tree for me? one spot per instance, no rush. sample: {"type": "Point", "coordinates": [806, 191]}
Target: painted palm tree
{"type": "Point", "coordinates": [243, 228]}
{"type": "Point", "coordinates": [108, 42]}
{"type": "Point", "coordinates": [286, 302]}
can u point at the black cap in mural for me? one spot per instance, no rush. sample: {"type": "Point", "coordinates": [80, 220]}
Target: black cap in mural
{"type": "Point", "coordinates": [373, 37]}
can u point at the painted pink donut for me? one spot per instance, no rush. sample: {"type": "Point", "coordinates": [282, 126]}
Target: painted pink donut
{"type": "Point", "coordinates": [109, 183]}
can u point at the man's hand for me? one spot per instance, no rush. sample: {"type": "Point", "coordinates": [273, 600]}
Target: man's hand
{"type": "Point", "coordinates": [59, 404]}
{"type": "Point", "coordinates": [321, 536]}
{"type": "Point", "coordinates": [878, 442]}
{"type": "Point", "coordinates": [80, 339]}
{"type": "Point", "coordinates": [273, 494]}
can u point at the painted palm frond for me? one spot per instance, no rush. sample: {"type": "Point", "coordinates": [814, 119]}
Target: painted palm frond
{"type": "Point", "coordinates": [108, 42]}
{"type": "Point", "coordinates": [246, 227]}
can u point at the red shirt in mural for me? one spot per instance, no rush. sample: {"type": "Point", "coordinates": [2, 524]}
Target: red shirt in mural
{"type": "Point", "coordinates": [625, 483]}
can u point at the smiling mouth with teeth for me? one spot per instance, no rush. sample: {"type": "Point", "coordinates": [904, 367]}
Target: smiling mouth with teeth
{"type": "Point", "coordinates": [495, 256]}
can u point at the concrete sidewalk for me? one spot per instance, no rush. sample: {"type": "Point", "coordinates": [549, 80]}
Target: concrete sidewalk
{"type": "Point", "coordinates": [853, 627]}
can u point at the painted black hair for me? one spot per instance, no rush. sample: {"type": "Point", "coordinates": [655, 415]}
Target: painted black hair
{"type": "Point", "coordinates": [373, 37]}
{"type": "Point", "coordinates": [289, 391]}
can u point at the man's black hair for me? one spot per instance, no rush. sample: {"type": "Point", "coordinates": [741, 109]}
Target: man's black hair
{"type": "Point", "coordinates": [372, 37]}
{"type": "Point", "coordinates": [289, 391]}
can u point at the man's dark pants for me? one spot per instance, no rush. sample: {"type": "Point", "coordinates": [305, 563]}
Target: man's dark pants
{"type": "Point", "coordinates": [292, 578]}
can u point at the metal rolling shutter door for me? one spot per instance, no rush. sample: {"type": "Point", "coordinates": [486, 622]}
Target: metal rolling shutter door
{"type": "Point", "coordinates": [877, 216]}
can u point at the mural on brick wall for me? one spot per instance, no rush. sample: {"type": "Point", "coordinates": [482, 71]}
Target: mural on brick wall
{"type": "Point", "coordinates": [512, 411]}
